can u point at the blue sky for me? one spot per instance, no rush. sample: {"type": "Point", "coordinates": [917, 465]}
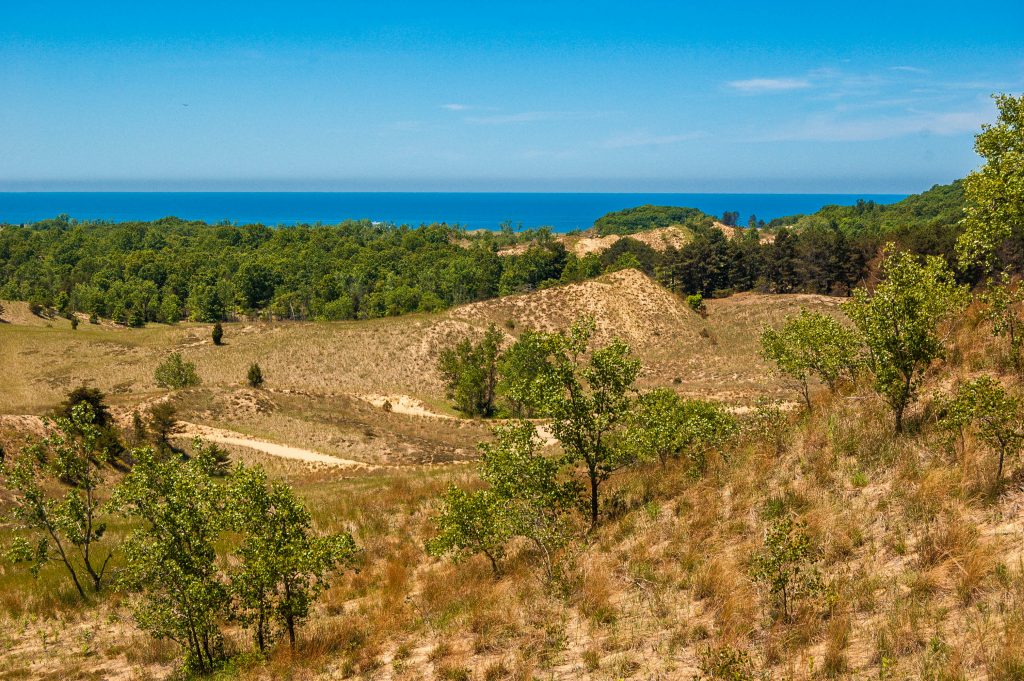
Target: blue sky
{"type": "Point", "coordinates": [520, 96]}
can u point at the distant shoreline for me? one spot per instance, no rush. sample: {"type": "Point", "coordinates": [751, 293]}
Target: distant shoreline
{"type": "Point", "coordinates": [562, 211]}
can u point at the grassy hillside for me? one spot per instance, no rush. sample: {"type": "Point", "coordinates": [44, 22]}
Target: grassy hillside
{"type": "Point", "coordinates": [918, 565]}
{"type": "Point", "coordinates": [42, 358]}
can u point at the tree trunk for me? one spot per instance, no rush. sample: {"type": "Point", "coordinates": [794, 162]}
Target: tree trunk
{"type": "Point", "coordinates": [494, 563]}
{"type": "Point", "coordinates": [593, 498]}
{"type": "Point", "coordinates": [260, 626]}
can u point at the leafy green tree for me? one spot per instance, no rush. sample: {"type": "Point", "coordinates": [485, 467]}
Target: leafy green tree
{"type": "Point", "coordinates": [1003, 301]}
{"type": "Point", "coordinates": [524, 498]}
{"type": "Point", "coordinates": [283, 565]}
{"type": "Point", "coordinates": [994, 195]}
{"type": "Point", "coordinates": [696, 303]}
{"type": "Point", "coordinates": [536, 503]}
{"type": "Point", "coordinates": [472, 522]}
{"type": "Point", "coordinates": [255, 284]}
{"type": "Point", "coordinates": [899, 324]}
{"type": "Point", "coordinates": [811, 344]}
{"type": "Point", "coordinates": [59, 503]}
{"type": "Point", "coordinates": [663, 425]}
{"type": "Point", "coordinates": [470, 372]}
{"type": "Point", "coordinates": [93, 397]}
{"type": "Point", "coordinates": [589, 394]}
{"type": "Point", "coordinates": [171, 559]}
{"type": "Point", "coordinates": [994, 413]}
{"type": "Point", "coordinates": [523, 367]}
{"type": "Point", "coordinates": [217, 335]}
{"type": "Point", "coordinates": [254, 377]}
{"type": "Point", "coordinates": [174, 372]}
{"type": "Point", "coordinates": [785, 563]}
{"type": "Point", "coordinates": [163, 417]}
{"type": "Point", "coordinates": [204, 303]}
{"type": "Point", "coordinates": [109, 437]}
{"type": "Point", "coordinates": [170, 309]}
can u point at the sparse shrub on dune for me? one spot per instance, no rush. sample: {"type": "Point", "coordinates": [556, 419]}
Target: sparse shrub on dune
{"type": "Point", "coordinates": [174, 373]}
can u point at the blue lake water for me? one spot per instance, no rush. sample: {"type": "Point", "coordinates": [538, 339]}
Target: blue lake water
{"type": "Point", "coordinates": [562, 212]}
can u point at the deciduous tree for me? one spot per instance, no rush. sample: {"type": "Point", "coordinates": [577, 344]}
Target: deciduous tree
{"type": "Point", "coordinates": [994, 195]}
{"type": "Point", "coordinates": [470, 372]}
{"type": "Point", "coordinates": [171, 559]}
{"type": "Point", "coordinates": [899, 323]}
{"type": "Point", "coordinates": [284, 564]}
{"type": "Point", "coordinates": [811, 344]}
{"type": "Point", "coordinates": [69, 524]}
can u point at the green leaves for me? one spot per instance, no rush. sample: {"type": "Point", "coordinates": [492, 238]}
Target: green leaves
{"type": "Point", "coordinates": [811, 344]}
{"type": "Point", "coordinates": [784, 564]}
{"type": "Point", "coordinates": [470, 373]}
{"type": "Point", "coordinates": [174, 373]}
{"type": "Point", "coordinates": [663, 425]}
{"type": "Point", "coordinates": [525, 498]}
{"type": "Point", "coordinates": [470, 523]}
{"type": "Point", "coordinates": [994, 413]}
{"type": "Point", "coordinates": [523, 368]}
{"type": "Point", "coordinates": [172, 561]}
{"type": "Point", "coordinates": [58, 500]}
{"type": "Point", "coordinates": [899, 323]}
{"type": "Point", "coordinates": [994, 194]}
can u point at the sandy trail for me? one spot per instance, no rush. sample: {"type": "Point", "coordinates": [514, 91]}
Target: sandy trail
{"type": "Point", "coordinates": [402, 404]}
{"type": "Point", "coordinates": [228, 437]}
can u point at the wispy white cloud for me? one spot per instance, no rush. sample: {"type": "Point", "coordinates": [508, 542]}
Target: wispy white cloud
{"type": "Point", "coordinates": [456, 107]}
{"type": "Point", "coordinates": [769, 85]}
{"type": "Point", "coordinates": [909, 69]}
{"type": "Point", "coordinates": [646, 139]}
{"type": "Point", "coordinates": [532, 117]}
{"type": "Point", "coordinates": [831, 128]}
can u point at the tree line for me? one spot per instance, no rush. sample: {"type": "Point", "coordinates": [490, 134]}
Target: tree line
{"type": "Point", "coordinates": [169, 270]}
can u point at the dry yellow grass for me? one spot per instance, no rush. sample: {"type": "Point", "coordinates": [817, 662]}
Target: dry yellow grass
{"type": "Point", "coordinates": [921, 569]}
{"type": "Point", "coordinates": [41, 360]}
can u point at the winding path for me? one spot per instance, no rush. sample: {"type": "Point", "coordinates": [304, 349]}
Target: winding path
{"type": "Point", "coordinates": [228, 437]}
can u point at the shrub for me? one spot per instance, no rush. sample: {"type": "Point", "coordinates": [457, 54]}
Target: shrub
{"type": "Point", "coordinates": [217, 334]}
{"type": "Point", "coordinates": [784, 563]}
{"type": "Point", "coordinates": [470, 372]}
{"type": "Point", "coordinates": [696, 303]}
{"type": "Point", "coordinates": [725, 663]}
{"type": "Point", "coordinates": [994, 413]}
{"type": "Point", "coordinates": [174, 372]}
{"type": "Point", "coordinates": [255, 376]}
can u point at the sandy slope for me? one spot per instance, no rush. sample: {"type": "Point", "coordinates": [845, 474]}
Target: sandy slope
{"type": "Point", "coordinates": [227, 437]}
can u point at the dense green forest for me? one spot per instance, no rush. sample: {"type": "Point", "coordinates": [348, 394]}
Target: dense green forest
{"type": "Point", "coordinates": [632, 220]}
{"type": "Point", "coordinates": [171, 269]}
{"type": "Point", "coordinates": [827, 252]}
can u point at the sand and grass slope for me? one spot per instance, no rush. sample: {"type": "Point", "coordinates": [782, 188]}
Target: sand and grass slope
{"type": "Point", "coordinates": [40, 360]}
